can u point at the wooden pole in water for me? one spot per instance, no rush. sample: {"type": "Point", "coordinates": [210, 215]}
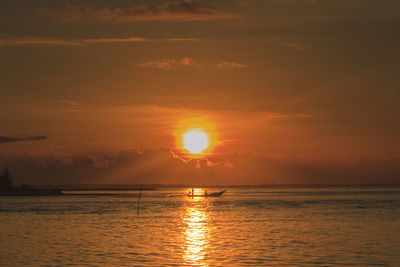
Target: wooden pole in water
{"type": "Point", "coordinates": [138, 201]}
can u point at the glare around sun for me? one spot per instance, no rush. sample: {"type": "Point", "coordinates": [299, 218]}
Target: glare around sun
{"type": "Point", "coordinates": [195, 141]}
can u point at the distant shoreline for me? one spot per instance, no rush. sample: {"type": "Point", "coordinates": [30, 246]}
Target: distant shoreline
{"type": "Point", "coordinates": [74, 190]}
{"type": "Point", "coordinates": [58, 191]}
{"type": "Point", "coordinates": [32, 192]}
{"type": "Point", "coordinates": [149, 187]}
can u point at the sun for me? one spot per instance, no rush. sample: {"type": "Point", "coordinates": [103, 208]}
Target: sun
{"type": "Point", "coordinates": [195, 141]}
{"type": "Point", "coordinates": [195, 137]}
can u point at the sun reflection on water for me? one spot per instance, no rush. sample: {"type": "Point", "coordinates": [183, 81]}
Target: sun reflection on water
{"type": "Point", "coordinates": [197, 234]}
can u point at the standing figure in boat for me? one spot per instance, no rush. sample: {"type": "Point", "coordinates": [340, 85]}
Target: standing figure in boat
{"type": "Point", "coordinates": [206, 194]}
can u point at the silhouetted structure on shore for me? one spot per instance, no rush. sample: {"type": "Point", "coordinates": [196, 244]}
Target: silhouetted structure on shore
{"type": "Point", "coordinates": [6, 183]}
{"type": "Point", "coordinates": [7, 188]}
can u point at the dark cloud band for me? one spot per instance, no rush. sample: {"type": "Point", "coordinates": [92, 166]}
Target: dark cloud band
{"type": "Point", "coordinates": [9, 139]}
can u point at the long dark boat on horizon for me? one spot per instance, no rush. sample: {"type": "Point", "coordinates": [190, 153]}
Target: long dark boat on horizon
{"type": "Point", "coordinates": [215, 194]}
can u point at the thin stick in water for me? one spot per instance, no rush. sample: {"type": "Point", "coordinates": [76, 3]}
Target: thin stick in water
{"type": "Point", "coordinates": [138, 202]}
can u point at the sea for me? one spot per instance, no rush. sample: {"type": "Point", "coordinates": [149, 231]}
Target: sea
{"type": "Point", "coordinates": [247, 226]}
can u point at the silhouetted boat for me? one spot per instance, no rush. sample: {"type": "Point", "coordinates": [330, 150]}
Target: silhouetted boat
{"type": "Point", "coordinates": [215, 194]}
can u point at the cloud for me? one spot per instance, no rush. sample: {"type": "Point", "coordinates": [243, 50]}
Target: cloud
{"type": "Point", "coordinates": [9, 139]}
{"type": "Point", "coordinates": [38, 41]}
{"type": "Point", "coordinates": [227, 64]}
{"type": "Point", "coordinates": [178, 11]}
{"type": "Point", "coordinates": [69, 102]}
{"type": "Point", "coordinates": [179, 39]}
{"type": "Point", "coordinates": [165, 167]}
{"type": "Point", "coordinates": [83, 42]}
{"type": "Point", "coordinates": [169, 63]}
{"type": "Point", "coordinates": [291, 1]}
{"type": "Point", "coordinates": [293, 45]}
{"type": "Point", "coordinates": [114, 40]}
{"type": "Point", "coordinates": [288, 116]}
{"type": "Point", "coordinates": [282, 41]}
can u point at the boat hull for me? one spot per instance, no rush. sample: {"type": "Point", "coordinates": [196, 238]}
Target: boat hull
{"type": "Point", "coordinates": [216, 194]}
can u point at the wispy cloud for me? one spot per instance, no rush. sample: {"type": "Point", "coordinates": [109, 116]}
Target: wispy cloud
{"type": "Point", "coordinates": [179, 39]}
{"type": "Point", "coordinates": [114, 40]}
{"type": "Point", "coordinates": [169, 63]}
{"type": "Point", "coordinates": [293, 45]}
{"type": "Point", "coordinates": [83, 42]}
{"type": "Point", "coordinates": [288, 116]}
{"type": "Point", "coordinates": [282, 42]}
{"type": "Point", "coordinates": [38, 41]}
{"type": "Point", "coordinates": [69, 102]}
{"type": "Point", "coordinates": [178, 11]}
{"type": "Point", "coordinates": [291, 1]}
{"type": "Point", "coordinates": [9, 139]}
{"type": "Point", "coordinates": [230, 64]}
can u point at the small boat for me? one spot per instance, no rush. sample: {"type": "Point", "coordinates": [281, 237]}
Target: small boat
{"type": "Point", "coordinates": [215, 194]}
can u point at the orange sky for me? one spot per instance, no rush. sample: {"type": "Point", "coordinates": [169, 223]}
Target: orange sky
{"type": "Point", "coordinates": [304, 81]}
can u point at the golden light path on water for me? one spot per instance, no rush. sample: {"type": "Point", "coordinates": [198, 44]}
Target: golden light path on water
{"type": "Point", "coordinates": [198, 232]}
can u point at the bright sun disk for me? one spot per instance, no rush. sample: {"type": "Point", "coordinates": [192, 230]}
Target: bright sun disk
{"type": "Point", "coordinates": [195, 141]}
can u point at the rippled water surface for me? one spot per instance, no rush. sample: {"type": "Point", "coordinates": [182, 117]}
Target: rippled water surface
{"type": "Point", "coordinates": [245, 227]}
